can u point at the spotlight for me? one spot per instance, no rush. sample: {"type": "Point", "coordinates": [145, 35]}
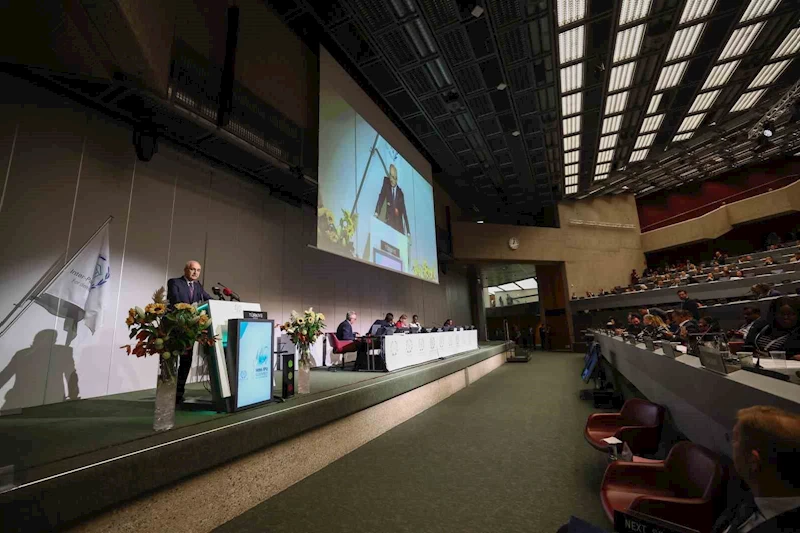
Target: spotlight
{"type": "Point", "coordinates": [769, 129]}
{"type": "Point", "coordinates": [477, 11]}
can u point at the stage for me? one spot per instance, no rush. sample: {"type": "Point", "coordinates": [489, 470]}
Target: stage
{"type": "Point", "coordinates": [105, 450]}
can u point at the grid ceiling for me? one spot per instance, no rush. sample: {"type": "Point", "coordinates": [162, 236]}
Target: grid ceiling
{"type": "Point", "coordinates": [522, 102]}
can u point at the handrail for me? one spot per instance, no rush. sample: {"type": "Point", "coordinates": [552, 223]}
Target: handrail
{"type": "Point", "coordinates": [723, 201]}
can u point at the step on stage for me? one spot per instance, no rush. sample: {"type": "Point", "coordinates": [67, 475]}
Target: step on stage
{"type": "Point", "coordinates": [66, 461]}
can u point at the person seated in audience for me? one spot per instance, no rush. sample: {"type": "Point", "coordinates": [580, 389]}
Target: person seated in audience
{"type": "Point", "coordinates": [448, 324]}
{"type": "Point", "coordinates": [655, 328]}
{"type": "Point", "coordinates": [402, 322]}
{"type": "Point", "coordinates": [726, 273]}
{"type": "Point", "coordinates": [672, 325]}
{"type": "Point", "coordinates": [634, 277]}
{"type": "Point", "coordinates": [588, 295]}
{"type": "Point", "coordinates": [687, 325]}
{"type": "Point", "coordinates": [738, 275]}
{"type": "Point", "coordinates": [766, 452]}
{"type": "Point", "coordinates": [763, 290]}
{"type": "Point", "coordinates": [719, 257]}
{"type": "Point", "coordinates": [716, 270]}
{"type": "Point", "coordinates": [752, 318]}
{"type": "Point", "coordinates": [769, 261]}
{"type": "Point", "coordinates": [795, 258]}
{"type": "Point", "coordinates": [710, 277]}
{"type": "Point", "coordinates": [634, 326]}
{"type": "Point", "coordinates": [782, 330]}
{"type": "Point", "coordinates": [709, 324]}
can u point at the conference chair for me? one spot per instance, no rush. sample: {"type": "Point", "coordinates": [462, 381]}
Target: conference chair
{"type": "Point", "coordinates": [638, 424]}
{"type": "Point", "coordinates": [684, 489]}
{"type": "Point", "coordinates": [341, 347]}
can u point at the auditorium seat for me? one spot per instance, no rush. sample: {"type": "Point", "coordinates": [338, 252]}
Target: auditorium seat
{"type": "Point", "coordinates": [684, 489]}
{"type": "Point", "coordinates": [341, 347]}
{"type": "Point", "coordinates": [638, 424]}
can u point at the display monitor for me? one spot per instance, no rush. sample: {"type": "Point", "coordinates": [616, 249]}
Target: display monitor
{"type": "Point", "coordinates": [373, 205]}
{"type": "Point", "coordinates": [250, 354]}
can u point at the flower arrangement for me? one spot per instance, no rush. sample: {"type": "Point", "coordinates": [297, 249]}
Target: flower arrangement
{"type": "Point", "coordinates": [303, 330]}
{"type": "Point", "coordinates": [423, 270]}
{"type": "Point", "coordinates": [166, 332]}
{"type": "Point", "coordinates": [341, 235]}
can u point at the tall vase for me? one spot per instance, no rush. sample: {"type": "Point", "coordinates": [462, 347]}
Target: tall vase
{"type": "Point", "coordinates": [304, 362]}
{"type": "Point", "coordinates": [166, 389]}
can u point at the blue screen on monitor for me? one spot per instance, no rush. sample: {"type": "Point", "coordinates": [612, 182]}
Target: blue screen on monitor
{"type": "Point", "coordinates": [254, 363]}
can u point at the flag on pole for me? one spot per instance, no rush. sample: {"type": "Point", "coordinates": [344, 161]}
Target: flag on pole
{"type": "Point", "coordinates": [82, 290]}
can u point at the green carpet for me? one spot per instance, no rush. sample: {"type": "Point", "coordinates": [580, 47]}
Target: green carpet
{"type": "Point", "coordinates": [44, 434]}
{"type": "Point", "coordinates": [506, 454]}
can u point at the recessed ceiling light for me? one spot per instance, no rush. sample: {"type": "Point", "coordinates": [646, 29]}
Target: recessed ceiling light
{"type": "Point", "coordinates": [789, 46]}
{"type": "Point", "coordinates": [644, 141]}
{"type": "Point", "coordinates": [572, 157]}
{"type": "Point", "coordinates": [769, 73]}
{"type": "Point", "coordinates": [602, 168]}
{"type": "Point", "coordinates": [621, 76]}
{"type": "Point", "coordinates": [758, 8]}
{"type": "Point", "coordinates": [570, 11]}
{"type": "Point", "coordinates": [740, 41]}
{"type": "Point", "coordinates": [628, 43]}
{"type": "Point", "coordinates": [477, 11]}
{"type": "Point", "coordinates": [691, 123]}
{"type": "Point", "coordinates": [480, 221]}
{"type": "Point", "coordinates": [608, 142]}
{"type": "Point", "coordinates": [652, 123]}
{"type": "Point", "coordinates": [571, 104]}
{"type": "Point", "coordinates": [655, 100]}
{"type": "Point", "coordinates": [571, 180]}
{"type": "Point", "coordinates": [571, 125]}
{"type": "Point", "coordinates": [605, 156]}
{"type": "Point", "coordinates": [600, 177]}
{"type": "Point", "coordinates": [695, 9]}
{"type": "Point", "coordinates": [720, 75]}
{"type": "Point", "coordinates": [572, 143]}
{"type": "Point", "coordinates": [571, 190]}
{"type": "Point", "coordinates": [515, 133]}
{"type": "Point", "coordinates": [502, 87]}
{"type": "Point", "coordinates": [570, 170]}
{"type": "Point", "coordinates": [671, 75]}
{"type": "Point", "coordinates": [571, 44]}
{"type": "Point", "coordinates": [611, 124]}
{"type": "Point", "coordinates": [747, 100]}
{"type": "Point", "coordinates": [633, 10]}
{"type": "Point", "coordinates": [616, 103]}
{"type": "Point", "coordinates": [639, 155]}
{"type": "Point", "coordinates": [703, 101]}
{"type": "Point", "coordinates": [684, 42]}
{"type": "Point", "coordinates": [571, 78]}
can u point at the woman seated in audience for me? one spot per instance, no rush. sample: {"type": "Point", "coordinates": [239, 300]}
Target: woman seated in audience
{"type": "Point", "coordinates": [782, 332]}
{"type": "Point", "coordinates": [655, 328]}
{"type": "Point", "coordinates": [738, 275]}
{"type": "Point", "coordinates": [769, 261]}
{"type": "Point", "coordinates": [709, 324]}
{"type": "Point", "coordinates": [795, 258]}
{"type": "Point", "coordinates": [710, 277]}
{"type": "Point", "coordinates": [763, 290]}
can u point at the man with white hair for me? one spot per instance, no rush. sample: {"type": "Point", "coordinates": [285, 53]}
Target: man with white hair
{"type": "Point", "coordinates": [188, 290]}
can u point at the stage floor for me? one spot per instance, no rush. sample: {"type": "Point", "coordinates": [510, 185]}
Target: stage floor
{"type": "Point", "coordinates": [48, 433]}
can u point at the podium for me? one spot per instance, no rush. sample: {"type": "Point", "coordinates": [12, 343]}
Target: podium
{"type": "Point", "coordinates": [220, 311]}
{"type": "Point", "coordinates": [389, 247]}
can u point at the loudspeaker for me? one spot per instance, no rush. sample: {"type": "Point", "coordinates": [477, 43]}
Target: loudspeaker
{"type": "Point", "coordinates": [287, 363]}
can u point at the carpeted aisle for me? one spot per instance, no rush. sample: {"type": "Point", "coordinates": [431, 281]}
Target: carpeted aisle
{"type": "Point", "coordinates": [506, 454]}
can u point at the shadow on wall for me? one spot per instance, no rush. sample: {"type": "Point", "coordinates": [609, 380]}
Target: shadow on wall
{"type": "Point", "coordinates": [45, 365]}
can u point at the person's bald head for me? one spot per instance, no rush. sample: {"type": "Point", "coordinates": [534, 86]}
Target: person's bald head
{"type": "Point", "coordinates": [766, 450]}
{"type": "Point", "coordinates": [192, 270]}
{"type": "Point", "coordinates": [393, 175]}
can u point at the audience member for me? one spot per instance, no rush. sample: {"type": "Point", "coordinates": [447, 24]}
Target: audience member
{"type": "Point", "coordinates": [448, 324]}
{"type": "Point", "coordinates": [781, 332]}
{"type": "Point", "coordinates": [795, 258]}
{"type": "Point", "coordinates": [763, 290]}
{"type": "Point", "coordinates": [655, 328]}
{"type": "Point", "coordinates": [709, 324]}
{"type": "Point", "coordinates": [687, 325]}
{"type": "Point", "coordinates": [752, 318]}
{"type": "Point", "coordinates": [766, 455]}
{"type": "Point", "coordinates": [769, 261]}
{"type": "Point", "coordinates": [693, 306]}
{"type": "Point", "coordinates": [634, 277]}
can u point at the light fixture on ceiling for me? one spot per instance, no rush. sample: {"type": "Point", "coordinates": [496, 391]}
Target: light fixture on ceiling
{"type": "Point", "coordinates": [769, 73]}
{"type": "Point", "coordinates": [695, 9]}
{"type": "Point", "coordinates": [628, 43]}
{"type": "Point", "coordinates": [515, 133]}
{"type": "Point", "coordinates": [758, 8]}
{"type": "Point", "coordinates": [571, 44]}
{"type": "Point", "coordinates": [769, 130]}
{"type": "Point", "coordinates": [747, 100]}
{"type": "Point", "coordinates": [720, 75]}
{"type": "Point", "coordinates": [789, 46]}
{"type": "Point", "coordinates": [502, 87]}
{"type": "Point", "coordinates": [480, 221]}
{"type": "Point", "coordinates": [477, 11]}
{"type": "Point", "coordinates": [569, 11]}
{"type": "Point", "coordinates": [740, 41]}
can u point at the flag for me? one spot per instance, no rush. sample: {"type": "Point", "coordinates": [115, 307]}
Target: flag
{"type": "Point", "coordinates": [81, 291]}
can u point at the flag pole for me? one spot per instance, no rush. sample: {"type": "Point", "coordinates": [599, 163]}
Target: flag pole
{"type": "Point", "coordinates": [35, 291]}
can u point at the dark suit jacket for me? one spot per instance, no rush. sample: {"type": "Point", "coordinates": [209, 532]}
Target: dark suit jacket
{"type": "Point", "coordinates": [396, 214]}
{"type": "Point", "coordinates": [178, 292]}
{"type": "Point", "coordinates": [783, 523]}
{"type": "Point", "coordinates": [792, 345]}
{"type": "Point", "coordinates": [693, 306]}
{"type": "Point", "coordinates": [345, 332]}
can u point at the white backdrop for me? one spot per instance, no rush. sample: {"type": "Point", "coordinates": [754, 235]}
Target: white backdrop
{"type": "Point", "coordinates": [68, 169]}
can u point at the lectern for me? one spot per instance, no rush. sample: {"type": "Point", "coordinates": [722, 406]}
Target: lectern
{"type": "Point", "coordinates": [220, 311]}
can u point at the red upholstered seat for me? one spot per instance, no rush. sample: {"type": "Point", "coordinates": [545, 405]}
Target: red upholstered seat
{"type": "Point", "coordinates": [638, 424]}
{"type": "Point", "coordinates": [341, 346]}
{"type": "Point", "coordinates": [683, 489]}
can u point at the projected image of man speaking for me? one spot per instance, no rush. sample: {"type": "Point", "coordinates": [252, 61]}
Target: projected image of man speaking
{"type": "Point", "coordinates": [392, 199]}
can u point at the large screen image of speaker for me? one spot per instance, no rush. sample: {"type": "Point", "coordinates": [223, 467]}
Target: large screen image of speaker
{"type": "Point", "coordinates": [373, 205]}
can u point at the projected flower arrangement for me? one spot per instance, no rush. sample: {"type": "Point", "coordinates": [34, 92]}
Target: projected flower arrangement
{"type": "Point", "coordinates": [338, 235]}
{"type": "Point", "coordinates": [423, 270]}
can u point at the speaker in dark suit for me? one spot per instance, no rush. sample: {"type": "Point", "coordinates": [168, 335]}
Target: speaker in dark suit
{"type": "Point", "coordinates": [187, 290]}
{"type": "Point", "coordinates": [392, 196]}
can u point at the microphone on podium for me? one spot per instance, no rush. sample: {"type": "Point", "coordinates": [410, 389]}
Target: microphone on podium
{"type": "Point", "coordinates": [229, 293]}
{"type": "Point", "coordinates": [217, 292]}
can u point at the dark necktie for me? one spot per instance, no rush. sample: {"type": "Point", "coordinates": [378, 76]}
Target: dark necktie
{"type": "Point", "coordinates": [743, 513]}
{"type": "Point", "coordinates": [191, 290]}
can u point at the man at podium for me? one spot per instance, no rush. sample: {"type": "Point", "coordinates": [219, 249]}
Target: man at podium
{"type": "Point", "coordinates": [188, 290]}
{"type": "Point", "coordinates": [392, 196]}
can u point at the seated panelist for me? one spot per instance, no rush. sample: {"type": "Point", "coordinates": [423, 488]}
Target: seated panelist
{"type": "Point", "coordinates": [402, 322]}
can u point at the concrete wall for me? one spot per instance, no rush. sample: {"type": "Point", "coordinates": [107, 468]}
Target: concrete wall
{"type": "Point", "coordinates": [68, 169]}
{"type": "Point", "coordinates": [723, 219]}
{"type": "Point", "coordinates": [595, 257]}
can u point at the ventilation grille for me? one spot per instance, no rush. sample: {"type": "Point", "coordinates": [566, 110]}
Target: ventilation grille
{"type": "Point", "coordinates": [374, 13]}
{"type": "Point", "coordinates": [440, 12]}
{"type": "Point", "coordinates": [514, 44]}
{"type": "Point", "coordinates": [505, 12]}
{"type": "Point", "coordinates": [520, 78]}
{"type": "Point", "coordinates": [419, 81]}
{"type": "Point", "coordinates": [397, 48]}
{"type": "Point", "coordinates": [480, 105]}
{"type": "Point", "coordinates": [469, 79]}
{"type": "Point", "coordinates": [455, 47]}
{"type": "Point", "coordinates": [434, 106]}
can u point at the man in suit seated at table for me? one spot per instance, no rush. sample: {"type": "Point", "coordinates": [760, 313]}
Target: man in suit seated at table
{"type": "Point", "coordinates": [187, 290]}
